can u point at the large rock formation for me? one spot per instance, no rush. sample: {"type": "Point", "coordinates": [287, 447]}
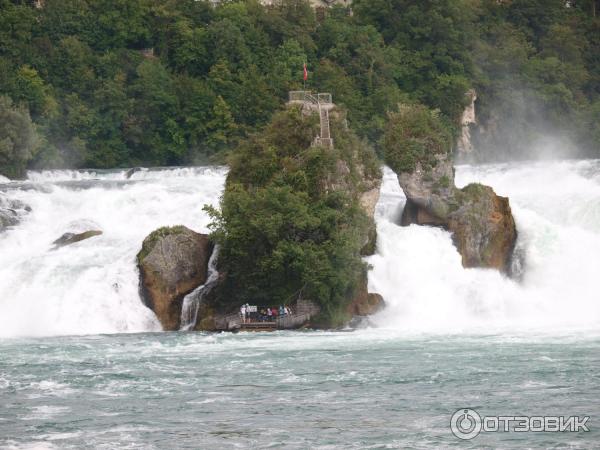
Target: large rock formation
{"type": "Point", "coordinates": [364, 182]}
{"type": "Point", "coordinates": [172, 263]}
{"type": "Point", "coordinates": [293, 186]}
{"type": "Point", "coordinates": [483, 228]}
{"type": "Point", "coordinates": [357, 176]}
{"type": "Point", "coordinates": [365, 303]}
{"type": "Point", "coordinates": [418, 145]}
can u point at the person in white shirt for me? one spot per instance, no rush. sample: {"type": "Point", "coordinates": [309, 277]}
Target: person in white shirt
{"type": "Point", "coordinates": [243, 313]}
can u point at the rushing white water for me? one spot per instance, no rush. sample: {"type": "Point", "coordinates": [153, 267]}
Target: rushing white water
{"type": "Point", "coordinates": [557, 210]}
{"type": "Point", "coordinates": [192, 301]}
{"type": "Point", "coordinates": [91, 286]}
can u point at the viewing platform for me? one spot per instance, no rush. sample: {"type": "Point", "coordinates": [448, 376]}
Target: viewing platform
{"type": "Point", "coordinates": [320, 103]}
{"type": "Point", "coordinates": [311, 100]}
{"type": "Point", "coordinates": [303, 311]}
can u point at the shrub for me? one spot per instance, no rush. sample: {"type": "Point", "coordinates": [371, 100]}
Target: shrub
{"type": "Point", "coordinates": [18, 139]}
{"type": "Point", "coordinates": [415, 134]}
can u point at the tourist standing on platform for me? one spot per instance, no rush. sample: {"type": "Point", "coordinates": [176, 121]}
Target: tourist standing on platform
{"type": "Point", "coordinates": [243, 313]}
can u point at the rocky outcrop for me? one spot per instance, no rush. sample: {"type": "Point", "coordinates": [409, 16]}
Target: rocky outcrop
{"type": "Point", "coordinates": [11, 212]}
{"type": "Point", "coordinates": [72, 238]}
{"type": "Point", "coordinates": [367, 189]}
{"type": "Point", "coordinates": [365, 303]}
{"type": "Point", "coordinates": [468, 118]}
{"type": "Point", "coordinates": [131, 171]}
{"type": "Point", "coordinates": [428, 192]}
{"type": "Point", "coordinates": [172, 263]}
{"type": "Point", "coordinates": [362, 180]}
{"type": "Point", "coordinates": [483, 228]}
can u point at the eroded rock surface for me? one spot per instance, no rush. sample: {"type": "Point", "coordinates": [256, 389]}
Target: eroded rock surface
{"type": "Point", "coordinates": [173, 262]}
{"type": "Point", "coordinates": [483, 228]}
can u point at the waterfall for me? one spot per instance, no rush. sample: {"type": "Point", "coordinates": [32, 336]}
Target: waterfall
{"type": "Point", "coordinates": [192, 301]}
{"type": "Point", "coordinates": [556, 206]}
{"type": "Point", "coordinates": [92, 286]}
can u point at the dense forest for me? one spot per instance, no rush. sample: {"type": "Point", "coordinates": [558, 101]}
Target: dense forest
{"type": "Point", "coordinates": [163, 82]}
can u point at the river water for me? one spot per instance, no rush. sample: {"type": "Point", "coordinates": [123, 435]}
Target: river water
{"type": "Point", "coordinates": [84, 365]}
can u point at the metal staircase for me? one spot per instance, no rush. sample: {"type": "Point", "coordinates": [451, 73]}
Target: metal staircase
{"type": "Point", "coordinates": [313, 103]}
{"type": "Point", "coordinates": [325, 138]}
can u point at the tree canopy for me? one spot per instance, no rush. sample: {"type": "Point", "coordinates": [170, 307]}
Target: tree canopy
{"type": "Point", "coordinates": [290, 224]}
{"type": "Point", "coordinates": [151, 82]}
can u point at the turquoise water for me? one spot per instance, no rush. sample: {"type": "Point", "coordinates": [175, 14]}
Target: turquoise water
{"type": "Point", "coordinates": [361, 389]}
{"type": "Point", "coordinates": [449, 338]}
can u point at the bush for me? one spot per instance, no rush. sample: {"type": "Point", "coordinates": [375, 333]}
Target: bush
{"type": "Point", "coordinates": [18, 139]}
{"type": "Point", "coordinates": [415, 134]}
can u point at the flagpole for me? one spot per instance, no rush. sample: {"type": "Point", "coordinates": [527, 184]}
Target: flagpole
{"type": "Point", "coordinates": [304, 79]}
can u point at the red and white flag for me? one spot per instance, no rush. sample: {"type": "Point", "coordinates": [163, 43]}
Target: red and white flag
{"type": "Point", "coordinates": [305, 73]}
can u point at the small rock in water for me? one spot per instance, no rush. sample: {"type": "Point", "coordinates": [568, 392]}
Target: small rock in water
{"type": "Point", "coordinates": [71, 238]}
{"type": "Point", "coordinates": [131, 171]}
{"type": "Point", "coordinates": [11, 212]}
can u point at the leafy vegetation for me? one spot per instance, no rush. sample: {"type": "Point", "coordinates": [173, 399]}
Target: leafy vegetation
{"type": "Point", "coordinates": [537, 75]}
{"type": "Point", "coordinates": [290, 223]}
{"type": "Point", "coordinates": [149, 82]}
{"type": "Point", "coordinates": [18, 138]}
{"type": "Point", "coordinates": [416, 135]}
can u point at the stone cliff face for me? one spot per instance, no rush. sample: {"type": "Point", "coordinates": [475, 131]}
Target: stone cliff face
{"type": "Point", "coordinates": [363, 182]}
{"type": "Point", "coordinates": [465, 146]}
{"type": "Point", "coordinates": [172, 263]}
{"type": "Point", "coordinates": [428, 192]}
{"type": "Point", "coordinates": [483, 228]}
{"type": "Point", "coordinates": [365, 303]}
{"type": "Point", "coordinates": [357, 178]}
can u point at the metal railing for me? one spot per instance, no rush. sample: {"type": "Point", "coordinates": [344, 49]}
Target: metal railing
{"type": "Point", "coordinates": [292, 320]}
{"type": "Point", "coordinates": [324, 98]}
{"type": "Point", "coordinates": [309, 97]}
{"type": "Point", "coordinates": [321, 102]}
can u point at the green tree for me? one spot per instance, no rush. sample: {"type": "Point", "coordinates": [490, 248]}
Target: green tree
{"type": "Point", "coordinates": [31, 89]}
{"type": "Point", "coordinates": [152, 129]}
{"type": "Point", "coordinates": [415, 135]}
{"type": "Point", "coordinates": [18, 139]}
{"type": "Point", "coordinates": [221, 127]}
{"type": "Point", "coordinates": [119, 23]}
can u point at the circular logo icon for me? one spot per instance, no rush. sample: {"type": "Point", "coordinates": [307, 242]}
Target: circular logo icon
{"type": "Point", "coordinates": [465, 423]}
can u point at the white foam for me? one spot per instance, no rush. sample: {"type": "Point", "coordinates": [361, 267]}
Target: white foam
{"type": "Point", "coordinates": [92, 286]}
{"type": "Point", "coordinates": [557, 209]}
